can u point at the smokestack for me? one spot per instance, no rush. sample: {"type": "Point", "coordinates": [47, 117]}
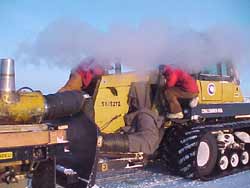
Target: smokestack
{"type": "Point", "coordinates": [118, 68]}
{"type": "Point", "coordinates": [7, 80]}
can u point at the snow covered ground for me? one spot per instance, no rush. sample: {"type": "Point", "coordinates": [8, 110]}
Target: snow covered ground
{"type": "Point", "coordinates": [137, 178]}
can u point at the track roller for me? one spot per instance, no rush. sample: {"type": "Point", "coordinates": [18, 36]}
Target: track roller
{"type": "Point", "coordinates": [234, 160]}
{"type": "Point", "coordinates": [223, 162]}
{"type": "Point", "coordinates": [244, 158]}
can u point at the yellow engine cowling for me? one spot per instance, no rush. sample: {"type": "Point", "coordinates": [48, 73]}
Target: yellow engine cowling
{"type": "Point", "coordinates": [29, 107]}
{"type": "Point", "coordinates": [17, 107]}
{"type": "Point", "coordinates": [20, 107]}
{"type": "Point", "coordinates": [111, 100]}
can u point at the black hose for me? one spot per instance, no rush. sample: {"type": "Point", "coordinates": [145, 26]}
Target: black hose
{"type": "Point", "coordinates": [63, 104]}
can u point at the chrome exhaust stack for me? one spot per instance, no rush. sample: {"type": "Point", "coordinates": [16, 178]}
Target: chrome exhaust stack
{"type": "Point", "coordinates": [7, 81]}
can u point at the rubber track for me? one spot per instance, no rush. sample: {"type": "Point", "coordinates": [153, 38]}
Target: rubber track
{"type": "Point", "coordinates": [179, 148]}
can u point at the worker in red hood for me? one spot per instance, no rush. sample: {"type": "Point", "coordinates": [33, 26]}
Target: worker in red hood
{"type": "Point", "coordinates": [83, 77]}
{"type": "Point", "coordinates": [179, 85]}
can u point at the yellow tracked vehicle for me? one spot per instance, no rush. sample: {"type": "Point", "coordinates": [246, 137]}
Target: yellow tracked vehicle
{"type": "Point", "coordinates": [212, 140]}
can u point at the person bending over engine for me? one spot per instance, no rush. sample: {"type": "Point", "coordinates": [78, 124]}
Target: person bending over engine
{"type": "Point", "coordinates": [179, 85]}
{"type": "Point", "coordinates": [84, 77]}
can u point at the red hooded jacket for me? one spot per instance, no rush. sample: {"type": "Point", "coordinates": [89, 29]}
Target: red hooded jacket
{"type": "Point", "coordinates": [181, 79]}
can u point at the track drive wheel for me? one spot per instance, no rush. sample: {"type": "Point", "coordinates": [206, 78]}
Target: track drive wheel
{"type": "Point", "coordinates": [191, 152]}
{"type": "Point", "coordinates": [198, 153]}
{"type": "Point", "coordinates": [207, 153]}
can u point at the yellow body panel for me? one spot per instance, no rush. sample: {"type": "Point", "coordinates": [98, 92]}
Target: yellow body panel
{"type": "Point", "coordinates": [30, 107]}
{"type": "Point", "coordinates": [232, 92]}
{"type": "Point", "coordinates": [111, 101]}
{"type": "Point", "coordinates": [212, 92]}
{"type": "Point", "coordinates": [111, 98]}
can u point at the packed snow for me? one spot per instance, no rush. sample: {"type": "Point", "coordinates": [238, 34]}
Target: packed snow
{"type": "Point", "coordinates": [148, 178]}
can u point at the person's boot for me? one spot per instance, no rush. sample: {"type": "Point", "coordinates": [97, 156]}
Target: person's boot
{"type": "Point", "coordinates": [115, 143]}
{"type": "Point", "coordinates": [178, 115]}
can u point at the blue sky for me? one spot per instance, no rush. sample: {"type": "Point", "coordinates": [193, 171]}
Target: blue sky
{"type": "Point", "coordinates": [23, 20]}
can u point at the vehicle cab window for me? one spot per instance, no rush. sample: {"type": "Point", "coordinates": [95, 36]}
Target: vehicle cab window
{"type": "Point", "coordinates": [210, 73]}
{"type": "Point", "coordinates": [226, 72]}
{"type": "Point", "coordinates": [211, 70]}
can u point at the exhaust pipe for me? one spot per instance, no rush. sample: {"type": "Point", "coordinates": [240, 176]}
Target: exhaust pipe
{"type": "Point", "coordinates": [18, 107]}
{"type": "Point", "coordinates": [7, 81]}
{"type": "Point", "coordinates": [118, 68]}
